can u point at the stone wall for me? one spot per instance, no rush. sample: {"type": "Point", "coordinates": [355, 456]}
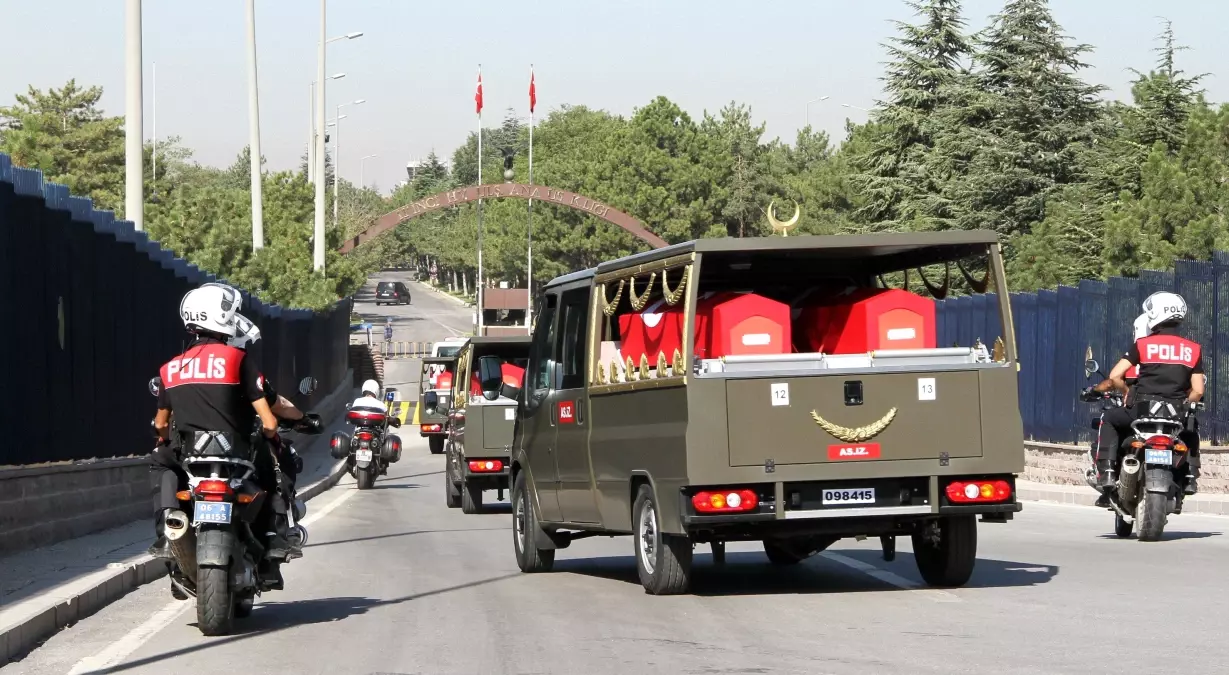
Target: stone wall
{"type": "Point", "coordinates": [1065, 465]}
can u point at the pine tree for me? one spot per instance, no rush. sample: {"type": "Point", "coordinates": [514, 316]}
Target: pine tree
{"type": "Point", "coordinates": [1163, 98]}
{"type": "Point", "coordinates": [926, 60]}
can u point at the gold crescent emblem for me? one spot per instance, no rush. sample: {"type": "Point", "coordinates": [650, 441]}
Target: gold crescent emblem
{"type": "Point", "coordinates": [778, 225]}
{"type": "Point", "coordinates": [855, 435]}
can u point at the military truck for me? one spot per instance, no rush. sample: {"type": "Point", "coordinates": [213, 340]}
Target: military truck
{"type": "Point", "coordinates": [489, 374]}
{"type": "Point", "coordinates": [434, 399]}
{"type": "Point", "coordinates": [783, 390]}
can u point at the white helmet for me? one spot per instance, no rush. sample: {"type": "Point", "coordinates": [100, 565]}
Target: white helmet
{"type": "Point", "coordinates": [372, 387]}
{"type": "Point", "coordinates": [246, 332]}
{"type": "Point", "coordinates": [211, 308]}
{"type": "Point", "coordinates": [1141, 327]}
{"type": "Point", "coordinates": [1164, 306]}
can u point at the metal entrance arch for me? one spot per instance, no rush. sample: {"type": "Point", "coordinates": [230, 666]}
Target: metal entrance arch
{"type": "Point", "coordinates": [472, 193]}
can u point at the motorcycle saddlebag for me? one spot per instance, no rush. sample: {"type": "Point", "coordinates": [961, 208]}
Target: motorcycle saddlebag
{"type": "Point", "coordinates": [391, 450]}
{"type": "Point", "coordinates": [339, 445]}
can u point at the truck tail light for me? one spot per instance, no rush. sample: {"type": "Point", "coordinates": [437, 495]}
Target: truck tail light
{"type": "Point", "coordinates": [430, 427]}
{"type": "Point", "coordinates": [979, 491]}
{"type": "Point", "coordinates": [485, 465]}
{"type": "Point", "coordinates": [725, 501]}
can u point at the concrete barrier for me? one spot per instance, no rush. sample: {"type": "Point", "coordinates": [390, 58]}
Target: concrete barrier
{"type": "Point", "coordinates": [1060, 464]}
{"type": "Point", "coordinates": [41, 505]}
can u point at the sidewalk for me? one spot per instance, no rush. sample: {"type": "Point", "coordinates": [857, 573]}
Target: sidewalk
{"type": "Point", "coordinates": [1027, 491]}
{"type": "Point", "coordinates": [47, 588]}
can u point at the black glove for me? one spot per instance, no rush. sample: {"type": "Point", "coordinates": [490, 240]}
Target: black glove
{"type": "Point", "coordinates": [1089, 394]}
{"type": "Point", "coordinates": [310, 424]}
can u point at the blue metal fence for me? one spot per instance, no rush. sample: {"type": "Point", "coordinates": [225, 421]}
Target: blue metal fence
{"type": "Point", "coordinates": [1055, 327]}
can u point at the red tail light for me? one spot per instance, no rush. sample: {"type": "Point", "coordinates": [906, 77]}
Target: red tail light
{"type": "Point", "coordinates": [485, 465]}
{"type": "Point", "coordinates": [979, 491]}
{"type": "Point", "coordinates": [364, 436]}
{"type": "Point", "coordinates": [431, 427]}
{"type": "Point", "coordinates": [213, 490]}
{"type": "Point", "coordinates": [1159, 442]}
{"type": "Point", "coordinates": [725, 501]}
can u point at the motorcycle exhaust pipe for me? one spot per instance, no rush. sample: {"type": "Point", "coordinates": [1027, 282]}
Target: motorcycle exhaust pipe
{"type": "Point", "coordinates": [1128, 483]}
{"type": "Point", "coordinates": [176, 524]}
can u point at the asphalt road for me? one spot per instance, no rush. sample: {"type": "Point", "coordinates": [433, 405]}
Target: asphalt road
{"type": "Point", "coordinates": [430, 316]}
{"type": "Point", "coordinates": [392, 582]}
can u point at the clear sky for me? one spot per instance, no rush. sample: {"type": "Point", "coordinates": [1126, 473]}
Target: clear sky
{"type": "Point", "coordinates": [417, 63]}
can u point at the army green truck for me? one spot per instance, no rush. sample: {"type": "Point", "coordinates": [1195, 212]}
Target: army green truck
{"type": "Point", "coordinates": [490, 371]}
{"type": "Point", "coordinates": [434, 400]}
{"type": "Point", "coordinates": [783, 390]}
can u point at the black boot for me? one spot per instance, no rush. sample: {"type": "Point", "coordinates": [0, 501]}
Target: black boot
{"type": "Point", "coordinates": [1192, 475]}
{"type": "Point", "coordinates": [1106, 476]}
{"type": "Point", "coordinates": [1103, 501]}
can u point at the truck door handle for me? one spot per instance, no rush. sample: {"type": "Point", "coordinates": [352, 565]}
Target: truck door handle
{"type": "Point", "coordinates": [580, 412]}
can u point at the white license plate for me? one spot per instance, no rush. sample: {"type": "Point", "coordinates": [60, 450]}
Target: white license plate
{"type": "Point", "coordinates": [211, 512]}
{"type": "Point", "coordinates": [1158, 457]}
{"type": "Point", "coordinates": [363, 455]}
{"type": "Point", "coordinates": [850, 496]}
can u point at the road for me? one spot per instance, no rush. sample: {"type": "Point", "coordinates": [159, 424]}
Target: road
{"type": "Point", "coordinates": [392, 582]}
{"type": "Point", "coordinates": [430, 316]}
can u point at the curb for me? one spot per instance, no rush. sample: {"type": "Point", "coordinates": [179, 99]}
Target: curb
{"type": "Point", "coordinates": [81, 598]}
{"type": "Point", "coordinates": [437, 291]}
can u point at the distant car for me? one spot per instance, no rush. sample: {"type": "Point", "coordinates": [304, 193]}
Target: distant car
{"type": "Point", "coordinates": [392, 293]}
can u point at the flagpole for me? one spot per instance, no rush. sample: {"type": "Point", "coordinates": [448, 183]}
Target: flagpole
{"type": "Point", "coordinates": [479, 280]}
{"type": "Point", "coordinates": [529, 273]}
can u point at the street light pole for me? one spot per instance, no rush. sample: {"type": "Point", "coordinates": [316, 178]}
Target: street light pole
{"type": "Point", "coordinates": [318, 229]}
{"type": "Point", "coordinates": [337, 155]}
{"type": "Point", "coordinates": [855, 107]}
{"type": "Point", "coordinates": [258, 226]}
{"type": "Point", "coordinates": [361, 183]}
{"type": "Point", "coordinates": [808, 110]}
{"type": "Point", "coordinates": [311, 133]}
{"type": "Point", "coordinates": [134, 172]}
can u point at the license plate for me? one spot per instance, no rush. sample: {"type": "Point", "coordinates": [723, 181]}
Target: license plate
{"type": "Point", "coordinates": [1158, 457]}
{"type": "Point", "coordinates": [850, 496]}
{"type": "Point", "coordinates": [212, 512]}
{"type": "Point", "coordinates": [363, 455]}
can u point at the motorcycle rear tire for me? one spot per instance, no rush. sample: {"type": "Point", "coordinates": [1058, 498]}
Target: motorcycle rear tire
{"type": "Point", "coordinates": [1150, 515]}
{"type": "Point", "coordinates": [366, 477]}
{"type": "Point", "coordinates": [215, 604]}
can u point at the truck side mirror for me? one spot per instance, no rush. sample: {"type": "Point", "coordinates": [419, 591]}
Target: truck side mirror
{"type": "Point", "coordinates": [430, 401]}
{"type": "Point", "coordinates": [491, 376]}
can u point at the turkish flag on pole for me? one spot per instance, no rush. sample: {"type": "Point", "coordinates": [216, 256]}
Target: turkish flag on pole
{"type": "Point", "coordinates": [478, 94]}
{"type": "Point", "coordinates": [533, 92]}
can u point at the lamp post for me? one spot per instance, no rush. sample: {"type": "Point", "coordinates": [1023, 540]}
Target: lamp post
{"type": "Point", "coordinates": [134, 172]}
{"type": "Point", "coordinates": [337, 154]}
{"type": "Point", "coordinates": [361, 183]}
{"type": "Point", "coordinates": [855, 107]}
{"type": "Point", "coordinates": [258, 226]}
{"type": "Point", "coordinates": [311, 131]}
{"type": "Point", "coordinates": [808, 108]}
{"type": "Point", "coordinates": [318, 229]}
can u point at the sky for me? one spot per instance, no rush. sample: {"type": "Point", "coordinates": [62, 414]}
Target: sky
{"type": "Point", "coordinates": [416, 64]}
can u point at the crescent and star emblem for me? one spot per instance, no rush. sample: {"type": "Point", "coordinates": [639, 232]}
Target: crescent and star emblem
{"type": "Point", "coordinates": [783, 227]}
{"type": "Point", "coordinates": [856, 435]}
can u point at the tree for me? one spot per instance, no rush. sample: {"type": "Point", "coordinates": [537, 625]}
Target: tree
{"type": "Point", "coordinates": [63, 133]}
{"type": "Point", "coordinates": [742, 154]}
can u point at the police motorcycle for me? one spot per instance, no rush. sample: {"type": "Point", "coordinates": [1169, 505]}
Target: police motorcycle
{"type": "Point", "coordinates": [371, 449]}
{"type": "Point", "coordinates": [1154, 462]}
{"type": "Point", "coordinates": [216, 554]}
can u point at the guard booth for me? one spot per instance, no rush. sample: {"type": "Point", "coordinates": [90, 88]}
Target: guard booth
{"type": "Point", "coordinates": [504, 311]}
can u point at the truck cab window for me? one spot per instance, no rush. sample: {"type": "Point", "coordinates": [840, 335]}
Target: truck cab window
{"type": "Point", "coordinates": [571, 351]}
{"type": "Point", "coordinates": [538, 375]}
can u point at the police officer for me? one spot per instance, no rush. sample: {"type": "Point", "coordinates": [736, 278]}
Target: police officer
{"type": "Point", "coordinates": [1170, 369]}
{"type": "Point", "coordinates": [211, 386]}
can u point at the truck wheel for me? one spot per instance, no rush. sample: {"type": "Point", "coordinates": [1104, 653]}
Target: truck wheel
{"type": "Point", "coordinates": [784, 552]}
{"type": "Point", "coordinates": [1150, 514]}
{"type": "Point", "coordinates": [366, 477]}
{"type": "Point", "coordinates": [529, 557]}
{"type": "Point", "coordinates": [436, 443]}
{"type": "Point", "coordinates": [215, 609]}
{"type": "Point", "coordinates": [947, 557]}
{"type": "Point", "coordinates": [471, 498]}
{"type": "Point", "coordinates": [662, 560]}
{"type": "Point", "coordinates": [1121, 527]}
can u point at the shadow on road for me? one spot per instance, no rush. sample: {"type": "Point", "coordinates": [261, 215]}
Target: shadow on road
{"type": "Point", "coordinates": [411, 533]}
{"type": "Point", "coordinates": [272, 617]}
{"type": "Point", "coordinates": [751, 574]}
{"type": "Point", "coordinates": [1166, 536]}
{"type": "Point", "coordinates": [417, 475]}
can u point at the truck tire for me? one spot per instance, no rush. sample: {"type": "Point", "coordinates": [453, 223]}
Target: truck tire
{"type": "Point", "coordinates": [947, 562]}
{"type": "Point", "coordinates": [215, 608]}
{"type": "Point", "coordinates": [1150, 514]}
{"type": "Point", "coordinates": [436, 443]}
{"type": "Point", "coordinates": [452, 493]}
{"type": "Point", "coordinates": [366, 477]}
{"type": "Point", "coordinates": [663, 561]}
{"type": "Point", "coordinates": [1121, 527]}
{"type": "Point", "coordinates": [529, 557]}
{"type": "Point", "coordinates": [471, 498]}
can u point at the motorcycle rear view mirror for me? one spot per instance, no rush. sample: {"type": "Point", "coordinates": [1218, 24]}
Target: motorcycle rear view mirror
{"type": "Point", "coordinates": [155, 385]}
{"type": "Point", "coordinates": [1090, 367]}
{"type": "Point", "coordinates": [308, 385]}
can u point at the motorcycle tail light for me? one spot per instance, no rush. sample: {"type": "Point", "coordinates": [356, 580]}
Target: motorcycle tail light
{"type": "Point", "coordinates": [1180, 447]}
{"type": "Point", "coordinates": [1137, 444]}
{"type": "Point", "coordinates": [363, 436]}
{"type": "Point", "coordinates": [213, 490]}
{"type": "Point", "coordinates": [183, 495]}
{"type": "Point", "coordinates": [978, 491]}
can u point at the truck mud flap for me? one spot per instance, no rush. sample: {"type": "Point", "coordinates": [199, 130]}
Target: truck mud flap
{"type": "Point", "coordinates": [213, 547]}
{"type": "Point", "coordinates": [1159, 480]}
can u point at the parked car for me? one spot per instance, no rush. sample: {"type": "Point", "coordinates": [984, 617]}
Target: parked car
{"type": "Point", "coordinates": [393, 293]}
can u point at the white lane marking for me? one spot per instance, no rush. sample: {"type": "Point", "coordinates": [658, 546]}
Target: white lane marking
{"type": "Point", "coordinates": [890, 578]}
{"type": "Point", "coordinates": [121, 649]}
{"type": "Point", "coordinates": [118, 651]}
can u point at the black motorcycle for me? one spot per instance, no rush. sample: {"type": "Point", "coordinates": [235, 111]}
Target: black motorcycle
{"type": "Point", "coordinates": [372, 448]}
{"type": "Point", "coordinates": [217, 557]}
{"type": "Point", "coordinates": [1153, 470]}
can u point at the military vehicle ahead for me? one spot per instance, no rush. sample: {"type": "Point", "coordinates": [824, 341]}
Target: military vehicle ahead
{"type": "Point", "coordinates": [787, 390]}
